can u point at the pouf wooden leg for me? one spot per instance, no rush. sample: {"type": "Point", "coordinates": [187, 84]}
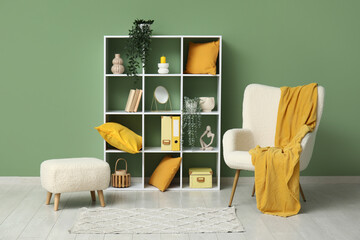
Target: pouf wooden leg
{"type": "Point", "coordinates": [101, 198]}
{"type": "Point", "coordinates": [48, 198]}
{"type": "Point", "coordinates": [93, 197]}
{"type": "Point", "coordinates": [56, 201]}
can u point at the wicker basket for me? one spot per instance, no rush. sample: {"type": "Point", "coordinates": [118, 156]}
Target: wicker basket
{"type": "Point", "coordinates": [121, 179]}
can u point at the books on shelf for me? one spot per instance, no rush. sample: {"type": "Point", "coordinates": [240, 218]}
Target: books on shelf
{"type": "Point", "coordinates": [138, 99]}
{"type": "Point", "coordinates": [130, 97]}
{"type": "Point", "coordinates": [133, 101]}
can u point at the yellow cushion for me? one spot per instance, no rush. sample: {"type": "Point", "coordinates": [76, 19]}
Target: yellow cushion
{"type": "Point", "coordinates": [120, 137]}
{"type": "Point", "coordinates": [202, 58]}
{"type": "Point", "coordinates": [165, 172]}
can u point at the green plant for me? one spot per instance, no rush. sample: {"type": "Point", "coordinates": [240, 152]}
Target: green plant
{"type": "Point", "coordinates": [191, 119]}
{"type": "Point", "coordinates": [138, 45]}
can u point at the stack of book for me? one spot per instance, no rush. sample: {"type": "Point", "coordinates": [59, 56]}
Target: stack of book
{"type": "Point", "coordinates": [133, 101]}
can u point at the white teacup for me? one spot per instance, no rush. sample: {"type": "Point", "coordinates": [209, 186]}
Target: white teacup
{"type": "Point", "coordinates": [207, 103]}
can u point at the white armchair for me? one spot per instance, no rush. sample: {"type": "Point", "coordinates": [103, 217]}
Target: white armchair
{"type": "Point", "coordinates": [260, 108]}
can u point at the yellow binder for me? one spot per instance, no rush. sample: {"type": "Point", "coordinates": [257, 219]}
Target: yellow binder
{"type": "Point", "coordinates": [165, 133]}
{"type": "Point", "coordinates": [175, 137]}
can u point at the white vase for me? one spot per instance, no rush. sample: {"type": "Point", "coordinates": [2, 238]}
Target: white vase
{"type": "Point", "coordinates": [163, 68]}
{"type": "Point", "coordinates": [207, 103]}
{"type": "Point", "coordinates": [117, 67]}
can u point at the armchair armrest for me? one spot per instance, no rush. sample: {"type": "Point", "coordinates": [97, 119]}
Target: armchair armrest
{"type": "Point", "coordinates": [237, 139]}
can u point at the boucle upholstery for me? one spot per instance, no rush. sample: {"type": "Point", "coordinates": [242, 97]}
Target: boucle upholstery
{"type": "Point", "coordinates": [74, 175]}
{"type": "Point", "coordinates": [260, 109]}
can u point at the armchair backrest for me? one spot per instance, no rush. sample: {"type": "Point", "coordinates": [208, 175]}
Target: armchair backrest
{"type": "Point", "coordinates": [260, 109]}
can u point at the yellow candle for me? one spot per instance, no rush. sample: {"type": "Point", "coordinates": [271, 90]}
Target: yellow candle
{"type": "Point", "coordinates": [163, 59]}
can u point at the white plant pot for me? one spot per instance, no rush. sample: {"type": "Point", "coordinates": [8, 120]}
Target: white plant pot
{"type": "Point", "coordinates": [207, 103]}
{"type": "Point", "coordinates": [141, 25]}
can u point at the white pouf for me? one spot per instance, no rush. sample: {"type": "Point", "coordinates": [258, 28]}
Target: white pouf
{"type": "Point", "coordinates": [74, 175]}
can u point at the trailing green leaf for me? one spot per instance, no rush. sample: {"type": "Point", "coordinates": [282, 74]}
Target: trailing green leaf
{"type": "Point", "coordinates": [191, 119]}
{"type": "Point", "coordinates": [138, 45]}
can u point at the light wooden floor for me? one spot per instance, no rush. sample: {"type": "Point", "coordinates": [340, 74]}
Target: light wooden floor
{"type": "Point", "coordinates": [331, 212]}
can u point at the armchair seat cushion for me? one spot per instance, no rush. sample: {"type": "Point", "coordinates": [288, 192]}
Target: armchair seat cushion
{"type": "Point", "coordinates": [239, 160]}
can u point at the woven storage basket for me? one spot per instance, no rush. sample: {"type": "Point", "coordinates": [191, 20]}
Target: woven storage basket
{"type": "Point", "coordinates": [121, 179]}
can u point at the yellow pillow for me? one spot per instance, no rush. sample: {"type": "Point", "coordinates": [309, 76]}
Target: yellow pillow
{"type": "Point", "coordinates": [202, 58]}
{"type": "Point", "coordinates": [120, 137]}
{"type": "Point", "coordinates": [165, 172]}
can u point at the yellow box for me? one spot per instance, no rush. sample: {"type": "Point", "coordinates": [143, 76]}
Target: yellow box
{"type": "Point", "coordinates": [200, 177]}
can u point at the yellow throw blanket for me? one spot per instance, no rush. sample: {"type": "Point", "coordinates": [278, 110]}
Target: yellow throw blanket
{"type": "Point", "coordinates": [277, 169]}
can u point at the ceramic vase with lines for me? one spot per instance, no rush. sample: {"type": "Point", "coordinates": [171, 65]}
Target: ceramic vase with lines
{"type": "Point", "coordinates": [117, 67]}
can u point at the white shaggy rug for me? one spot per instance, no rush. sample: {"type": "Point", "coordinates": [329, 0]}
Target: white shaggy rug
{"type": "Point", "coordinates": [157, 220]}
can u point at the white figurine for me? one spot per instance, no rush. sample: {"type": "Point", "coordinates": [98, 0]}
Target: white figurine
{"type": "Point", "coordinates": [209, 134]}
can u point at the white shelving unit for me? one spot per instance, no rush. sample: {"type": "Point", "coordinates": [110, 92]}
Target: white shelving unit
{"type": "Point", "coordinates": [180, 183]}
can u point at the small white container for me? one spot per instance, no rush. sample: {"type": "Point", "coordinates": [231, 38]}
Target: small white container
{"type": "Point", "coordinates": [163, 68]}
{"type": "Point", "coordinates": [207, 103]}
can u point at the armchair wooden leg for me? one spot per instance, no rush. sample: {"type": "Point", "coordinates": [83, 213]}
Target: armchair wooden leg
{"type": "Point", "coordinates": [56, 201]}
{"type": "Point", "coordinates": [302, 193]}
{"type": "Point", "coordinates": [48, 198]}
{"type": "Point", "coordinates": [101, 198]}
{"type": "Point", "coordinates": [253, 193]}
{"type": "Point", "coordinates": [93, 197]}
{"type": "Point", "coordinates": [236, 178]}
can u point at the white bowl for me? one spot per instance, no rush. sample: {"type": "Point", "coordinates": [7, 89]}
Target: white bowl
{"type": "Point", "coordinates": [207, 103]}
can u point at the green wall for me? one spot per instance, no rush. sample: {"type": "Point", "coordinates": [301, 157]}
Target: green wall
{"type": "Point", "coordinates": [51, 65]}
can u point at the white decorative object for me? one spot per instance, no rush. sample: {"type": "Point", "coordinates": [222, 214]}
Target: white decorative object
{"type": "Point", "coordinates": [207, 103]}
{"type": "Point", "coordinates": [117, 67]}
{"type": "Point", "coordinates": [158, 220]}
{"type": "Point", "coordinates": [163, 68]}
{"type": "Point", "coordinates": [209, 134]}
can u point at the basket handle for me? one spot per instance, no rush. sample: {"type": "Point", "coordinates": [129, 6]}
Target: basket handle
{"type": "Point", "coordinates": [118, 161]}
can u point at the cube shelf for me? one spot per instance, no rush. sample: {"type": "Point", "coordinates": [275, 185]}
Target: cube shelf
{"type": "Point", "coordinates": [147, 123]}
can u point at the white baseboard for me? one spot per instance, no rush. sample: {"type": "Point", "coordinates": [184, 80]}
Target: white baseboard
{"type": "Point", "coordinates": [330, 179]}
{"type": "Point", "coordinates": [224, 180]}
{"type": "Point", "coordinates": [20, 180]}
